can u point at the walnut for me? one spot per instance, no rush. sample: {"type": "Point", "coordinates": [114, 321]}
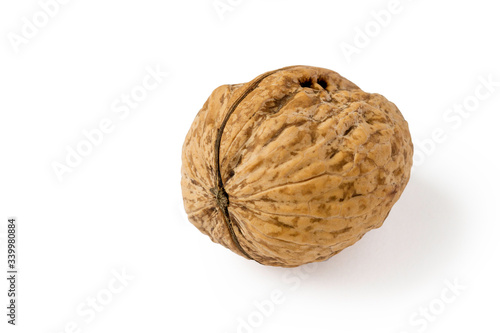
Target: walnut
{"type": "Point", "coordinates": [294, 166]}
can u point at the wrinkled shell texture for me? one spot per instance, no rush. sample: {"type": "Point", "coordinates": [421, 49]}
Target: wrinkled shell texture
{"type": "Point", "coordinates": [309, 163]}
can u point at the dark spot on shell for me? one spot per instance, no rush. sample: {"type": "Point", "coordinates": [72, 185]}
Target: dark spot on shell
{"type": "Point", "coordinates": [307, 83]}
{"type": "Point", "coordinates": [322, 82]}
{"type": "Point", "coordinates": [348, 130]}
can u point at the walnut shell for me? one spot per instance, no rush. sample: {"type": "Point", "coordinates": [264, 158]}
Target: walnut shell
{"type": "Point", "coordinates": [293, 166]}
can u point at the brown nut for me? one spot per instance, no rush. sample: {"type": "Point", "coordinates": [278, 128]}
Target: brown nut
{"type": "Point", "coordinates": [294, 166]}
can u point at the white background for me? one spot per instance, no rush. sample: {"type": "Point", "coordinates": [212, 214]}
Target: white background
{"type": "Point", "coordinates": [121, 207]}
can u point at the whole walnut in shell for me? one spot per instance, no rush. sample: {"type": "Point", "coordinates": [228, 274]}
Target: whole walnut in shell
{"type": "Point", "coordinates": [294, 166]}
